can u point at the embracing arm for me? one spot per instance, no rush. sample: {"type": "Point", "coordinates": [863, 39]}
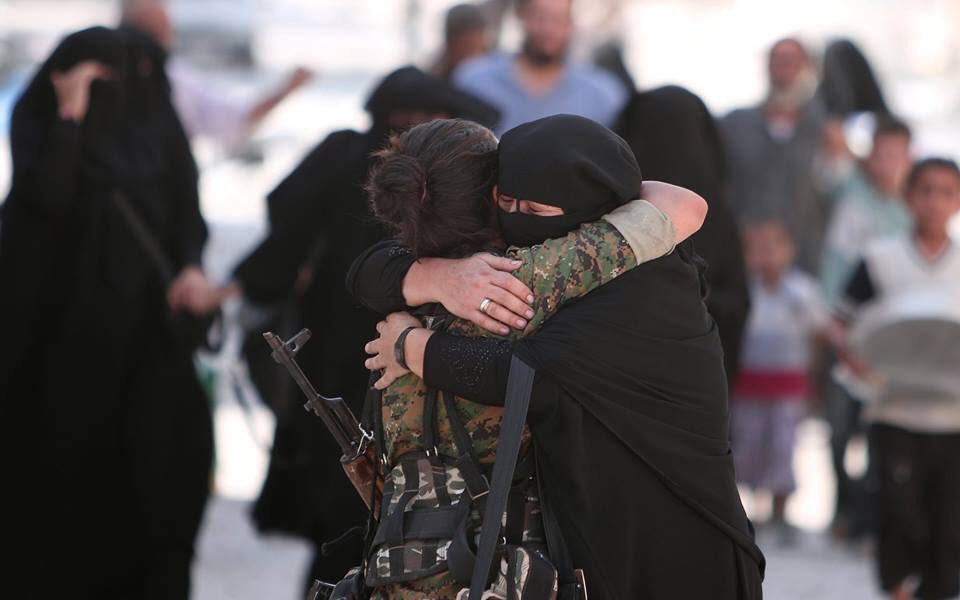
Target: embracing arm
{"type": "Point", "coordinates": [475, 368]}
{"type": "Point", "coordinates": [558, 271]}
{"type": "Point", "coordinates": [564, 269]}
{"type": "Point", "coordinates": [635, 233]}
{"type": "Point", "coordinates": [388, 278]}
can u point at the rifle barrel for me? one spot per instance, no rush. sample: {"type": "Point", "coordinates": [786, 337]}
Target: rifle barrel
{"type": "Point", "coordinates": [316, 402]}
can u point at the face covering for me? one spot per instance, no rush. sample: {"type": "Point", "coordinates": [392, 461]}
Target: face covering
{"type": "Point", "coordinates": [566, 161]}
{"type": "Point", "coordinates": [521, 229]}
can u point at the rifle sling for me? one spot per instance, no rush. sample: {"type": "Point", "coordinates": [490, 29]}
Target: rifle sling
{"type": "Point", "coordinates": [516, 404]}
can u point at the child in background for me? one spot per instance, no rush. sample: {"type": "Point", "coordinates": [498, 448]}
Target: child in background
{"type": "Point", "coordinates": [769, 396]}
{"type": "Point", "coordinates": [869, 204]}
{"type": "Point", "coordinates": [915, 434]}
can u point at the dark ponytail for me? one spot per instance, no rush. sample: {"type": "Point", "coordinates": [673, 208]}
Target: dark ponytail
{"type": "Point", "coordinates": [432, 184]}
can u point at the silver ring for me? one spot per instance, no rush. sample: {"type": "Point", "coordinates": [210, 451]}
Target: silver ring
{"type": "Point", "coordinates": [485, 304]}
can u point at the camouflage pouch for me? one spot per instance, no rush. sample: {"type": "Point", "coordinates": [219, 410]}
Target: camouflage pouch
{"type": "Point", "coordinates": [425, 500]}
{"type": "Point", "coordinates": [524, 574]}
{"type": "Point", "coordinates": [430, 516]}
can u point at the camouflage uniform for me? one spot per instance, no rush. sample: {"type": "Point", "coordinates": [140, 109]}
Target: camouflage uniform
{"type": "Point", "coordinates": [557, 271]}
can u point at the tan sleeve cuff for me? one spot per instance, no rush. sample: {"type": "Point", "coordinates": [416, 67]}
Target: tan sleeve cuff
{"type": "Point", "coordinates": [647, 229]}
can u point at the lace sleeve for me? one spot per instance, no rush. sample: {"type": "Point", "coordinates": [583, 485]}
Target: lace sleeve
{"type": "Point", "coordinates": [472, 367]}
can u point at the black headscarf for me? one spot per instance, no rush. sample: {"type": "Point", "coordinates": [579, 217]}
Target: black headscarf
{"type": "Point", "coordinates": [123, 110]}
{"type": "Point", "coordinates": [849, 84]}
{"type": "Point", "coordinates": [566, 161]}
{"type": "Point", "coordinates": [409, 88]}
{"type": "Point", "coordinates": [675, 139]}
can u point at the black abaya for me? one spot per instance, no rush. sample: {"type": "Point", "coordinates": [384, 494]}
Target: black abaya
{"type": "Point", "coordinates": [101, 404]}
{"type": "Point", "coordinates": [630, 395]}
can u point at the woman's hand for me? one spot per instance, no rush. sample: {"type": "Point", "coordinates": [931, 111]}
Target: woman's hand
{"type": "Point", "coordinates": [382, 349]}
{"type": "Point", "coordinates": [189, 282]}
{"type": "Point", "coordinates": [463, 285]}
{"type": "Point", "coordinates": [192, 291]}
{"type": "Point", "coordinates": [73, 88]}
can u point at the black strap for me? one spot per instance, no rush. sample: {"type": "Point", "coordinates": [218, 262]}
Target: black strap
{"type": "Point", "coordinates": [147, 240]}
{"type": "Point", "coordinates": [193, 331]}
{"type": "Point", "coordinates": [467, 462]}
{"type": "Point", "coordinates": [461, 438]}
{"type": "Point", "coordinates": [429, 524]}
{"type": "Point", "coordinates": [430, 433]}
{"type": "Point", "coordinates": [516, 403]}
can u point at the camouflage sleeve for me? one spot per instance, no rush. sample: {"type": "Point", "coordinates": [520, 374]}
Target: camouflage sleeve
{"type": "Point", "coordinates": [566, 268]}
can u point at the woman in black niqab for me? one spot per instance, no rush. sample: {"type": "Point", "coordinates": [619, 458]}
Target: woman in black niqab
{"type": "Point", "coordinates": [565, 161]}
{"type": "Point", "coordinates": [629, 416]}
{"type": "Point", "coordinates": [675, 139]}
{"type": "Point", "coordinates": [109, 430]}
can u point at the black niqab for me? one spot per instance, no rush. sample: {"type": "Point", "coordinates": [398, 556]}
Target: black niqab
{"type": "Point", "coordinates": [566, 161]}
{"type": "Point", "coordinates": [410, 89]}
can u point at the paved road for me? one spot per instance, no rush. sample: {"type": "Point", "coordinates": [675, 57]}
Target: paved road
{"type": "Point", "coordinates": [234, 564]}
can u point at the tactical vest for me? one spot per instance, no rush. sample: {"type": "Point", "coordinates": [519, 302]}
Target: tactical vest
{"type": "Point", "coordinates": [431, 513]}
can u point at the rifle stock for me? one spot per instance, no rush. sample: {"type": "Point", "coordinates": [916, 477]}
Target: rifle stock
{"type": "Point", "coordinates": [358, 460]}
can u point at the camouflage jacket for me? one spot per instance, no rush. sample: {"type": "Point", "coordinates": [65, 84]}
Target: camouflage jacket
{"type": "Point", "coordinates": [557, 271]}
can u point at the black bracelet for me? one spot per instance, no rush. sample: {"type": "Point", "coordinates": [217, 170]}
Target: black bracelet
{"type": "Point", "coordinates": [398, 349]}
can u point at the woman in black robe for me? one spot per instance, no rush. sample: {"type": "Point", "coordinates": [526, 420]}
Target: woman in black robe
{"type": "Point", "coordinates": [109, 428]}
{"type": "Point", "coordinates": [675, 139]}
{"type": "Point", "coordinates": [628, 414]}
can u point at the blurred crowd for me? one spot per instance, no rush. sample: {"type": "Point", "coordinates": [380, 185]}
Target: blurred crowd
{"type": "Point", "coordinates": [105, 299]}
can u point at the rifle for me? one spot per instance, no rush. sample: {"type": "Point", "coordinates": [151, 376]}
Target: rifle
{"type": "Point", "coordinates": [358, 460]}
